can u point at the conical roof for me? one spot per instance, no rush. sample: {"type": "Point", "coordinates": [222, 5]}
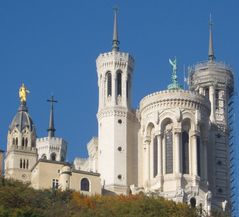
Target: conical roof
{"type": "Point", "coordinates": [22, 119]}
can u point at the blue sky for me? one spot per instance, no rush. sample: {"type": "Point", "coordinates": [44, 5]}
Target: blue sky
{"type": "Point", "coordinates": [52, 46]}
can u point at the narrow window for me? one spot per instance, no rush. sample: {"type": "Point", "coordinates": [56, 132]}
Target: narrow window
{"type": "Point", "coordinates": [27, 164]}
{"type": "Point", "coordinates": [24, 164]}
{"type": "Point", "coordinates": [26, 142]}
{"type": "Point", "coordinates": [185, 153]}
{"type": "Point", "coordinates": [109, 84]}
{"type": "Point", "coordinates": [13, 141]}
{"type": "Point", "coordinates": [128, 86]}
{"type": "Point", "coordinates": [53, 156]}
{"type": "Point", "coordinates": [21, 163]}
{"type": "Point", "coordinates": [169, 151]}
{"type": "Point", "coordinates": [85, 184]}
{"type": "Point", "coordinates": [198, 156]}
{"type": "Point", "coordinates": [119, 84]}
{"type": "Point", "coordinates": [217, 99]}
{"type": "Point", "coordinates": [155, 154]}
{"type": "Point", "coordinates": [16, 141]}
{"type": "Point", "coordinates": [23, 142]}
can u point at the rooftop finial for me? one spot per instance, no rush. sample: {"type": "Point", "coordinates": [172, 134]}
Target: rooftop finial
{"type": "Point", "coordinates": [115, 43]}
{"type": "Point", "coordinates": [174, 85]}
{"type": "Point", "coordinates": [211, 56]}
{"type": "Point", "coordinates": [51, 130]}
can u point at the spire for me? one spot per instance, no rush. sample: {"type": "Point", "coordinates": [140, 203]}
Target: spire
{"type": "Point", "coordinates": [211, 56]}
{"type": "Point", "coordinates": [115, 42]}
{"type": "Point", "coordinates": [51, 130]}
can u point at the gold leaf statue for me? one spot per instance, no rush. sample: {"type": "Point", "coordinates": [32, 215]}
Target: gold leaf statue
{"type": "Point", "coordinates": [23, 93]}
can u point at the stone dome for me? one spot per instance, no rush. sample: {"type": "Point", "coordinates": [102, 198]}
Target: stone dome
{"type": "Point", "coordinates": [22, 119]}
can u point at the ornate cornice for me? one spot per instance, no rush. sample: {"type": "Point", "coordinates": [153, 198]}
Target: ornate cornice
{"type": "Point", "coordinates": [174, 98]}
{"type": "Point", "coordinates": [117, 112]}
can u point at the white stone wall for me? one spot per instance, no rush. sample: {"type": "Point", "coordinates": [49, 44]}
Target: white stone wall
{"type": "Point", "coordinates": [177, 111]}
{"type": "Point", "coordinates": [47, 146]}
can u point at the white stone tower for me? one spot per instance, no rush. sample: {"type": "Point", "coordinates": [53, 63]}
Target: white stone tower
{"type": "Point", "coordinates": [51, 147]}
{"type": "Point", "coordinates": [21, 143]}
{"type": "Point", "coordinates": [117, 124]}
{"type": "Point", "coordinates": [215, 80]}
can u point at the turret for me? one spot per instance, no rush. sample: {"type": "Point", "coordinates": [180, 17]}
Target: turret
{"type": "Point", "coordinates": [115, 70]}
{"type": "Point", "coordinates": [51, 147]}
{"type": "Point", "coordinates": [215, 80]}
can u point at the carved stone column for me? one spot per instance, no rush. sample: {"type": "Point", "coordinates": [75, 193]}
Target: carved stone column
{"type": "Point", "coordinates": [146, 160]}
{"type": "Point", "coordinates": [177, 152]}
{"type": "Point", "coordinates": [160, 160]}
{"type": "Point", "coordinates": [194, 156]}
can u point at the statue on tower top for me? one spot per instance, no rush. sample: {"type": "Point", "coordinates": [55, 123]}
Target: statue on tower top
{"type": "Point", "coordinates": [23, 91]}
{"type": "Point", "coordinates": [174, 85]}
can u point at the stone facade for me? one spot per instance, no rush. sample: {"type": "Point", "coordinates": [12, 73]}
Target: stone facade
{"type": "Point", "coordinates": [50, 174]}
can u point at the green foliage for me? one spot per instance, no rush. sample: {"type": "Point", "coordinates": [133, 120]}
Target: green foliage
{"type": "Point", "coordinates": [20, 200]}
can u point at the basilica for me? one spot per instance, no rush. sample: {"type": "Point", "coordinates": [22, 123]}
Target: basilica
{"type": "Point", "coordinates": [175, 145]}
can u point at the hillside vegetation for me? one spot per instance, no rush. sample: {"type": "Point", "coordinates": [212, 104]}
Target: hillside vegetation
{"type": "Point", "coordinates": [19, 200]}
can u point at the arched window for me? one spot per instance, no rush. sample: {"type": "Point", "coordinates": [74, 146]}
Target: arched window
{"type": "Point", "coordinates": [23, 142]}
{"type": "Point", "coordinates": [169, 151]}
{"type": "Point", "coordinates": [119, 83]}
{"type": "Point", "coordinates": [21, 163]}
{"type": "Point", "coordinates": [26, 142]}
{"type": "Point", "coordinates": [198, 156]}
{"type": "Point", "coordinates": [16, 141]}
{"type": "Point", "coordinates": [109, 84]}
{"type": "Point", "coordinates": [193, 202]}
{"type": "Point", "coordinates": [43, 157]}
{"type": "Point", "coordinates": [185, 153]}
{"type": "Point", "coordinates": [155, 154]}
{"type": "Point", "coordinates": [53, 156]}
{"type": "Point", "coordinates": [85, 184]}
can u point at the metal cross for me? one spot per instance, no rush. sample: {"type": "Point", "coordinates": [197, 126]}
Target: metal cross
{"type": "Point", "coordinates": [52, 100]}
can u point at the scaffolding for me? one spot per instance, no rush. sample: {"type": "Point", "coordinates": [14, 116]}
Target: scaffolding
{"type": "Point", "coordinates": [233, 156]}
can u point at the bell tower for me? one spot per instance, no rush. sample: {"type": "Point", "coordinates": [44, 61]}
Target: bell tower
{"type": "Point", "coordinates": [215, 80]}
{"type": "Point", "coordinates": [21, 143]}
{"type": "Point", "coordinates": [116, 119]}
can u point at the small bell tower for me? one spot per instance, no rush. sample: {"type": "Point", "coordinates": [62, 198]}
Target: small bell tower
{"type": "Point", "coordinates": [21, 142]}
